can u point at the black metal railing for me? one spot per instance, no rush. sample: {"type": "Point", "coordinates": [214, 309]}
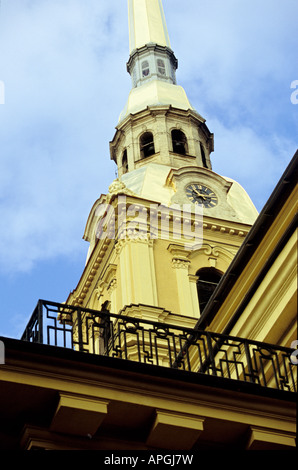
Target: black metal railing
{"type": "Point", "coordinates": [161, 344]}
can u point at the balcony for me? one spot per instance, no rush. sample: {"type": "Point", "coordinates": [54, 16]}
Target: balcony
{"type": "Point", "coordinates": [160, 344]}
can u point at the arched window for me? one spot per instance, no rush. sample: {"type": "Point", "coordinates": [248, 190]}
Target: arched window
{"type": "Point", "coordinates": [124, 162]}
{"type": "Point", "coordinates": [208, 278]}
{"type": "Point", "coordinates": [145, 68]}
{"type": "Point", "coordinates": [147, 145]}
{"type": "Point", "coordinates": [179, 142]}
{"type": "Point", "coordinates": [203, 156]}
{"type": "Point", "coordinates": [161, 68]}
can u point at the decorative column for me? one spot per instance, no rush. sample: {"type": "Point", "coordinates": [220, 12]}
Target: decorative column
{"type": "Point", "coordinates": [137, 272]}
{"type": "Point", "coordinates": [180, 263]}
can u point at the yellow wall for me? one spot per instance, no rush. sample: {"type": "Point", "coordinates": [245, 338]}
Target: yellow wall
{"type": "Point", "coordinates": [271, 314]}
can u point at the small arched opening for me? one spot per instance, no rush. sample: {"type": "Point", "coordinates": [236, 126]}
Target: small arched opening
{"type": "Point", "coordinates": [179, 142]}
{"type": "Point", "coordinates": [147, 145]}
{"type": "Point", "coordinates": [145, 69]}
{"type": "Point", "coordinates": [161, 68]}
{"type": "Point", "coordinates": [203, 155]}
{"type": "Point", "coordinates": [124, 162]}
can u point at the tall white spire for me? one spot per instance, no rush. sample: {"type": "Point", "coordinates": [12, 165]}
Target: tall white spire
{"type": "Point", "coordinates": [151, 57]}
{"type": "Point", "coordinates": [147, 24]}
{"type": "Point", "coordinates": [152, 63]}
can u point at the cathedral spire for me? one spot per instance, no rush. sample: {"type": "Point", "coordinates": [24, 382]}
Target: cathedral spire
{"type": "Point", "coordinates": [158, 124]}
{"type": "Point", "coordinates": [147, 24]}
{"type": "Point", "coordinates": [151, 56]}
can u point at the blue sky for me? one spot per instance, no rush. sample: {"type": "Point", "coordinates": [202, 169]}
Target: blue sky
{"type": "Point", "coordinates": [63, 69]}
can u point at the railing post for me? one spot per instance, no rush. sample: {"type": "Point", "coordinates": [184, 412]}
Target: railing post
{"type": "Point", "coordinates": [106, 325]}
{"type": "Point", "coordinates": [248, 359]}
{"type": "Point", "coordinates": [40, 322]}
{"type": "Point", "coordinates": [80, 332]}
{"type": "Point", "coordinates": [210, 359]}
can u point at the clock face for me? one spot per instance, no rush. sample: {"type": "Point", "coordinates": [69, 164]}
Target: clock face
{"type": "Point", "coordinates": [200, 194]}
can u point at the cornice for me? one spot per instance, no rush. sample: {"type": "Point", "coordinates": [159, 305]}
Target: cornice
{"type": "Point", "coordinates": [225, 227]}
{"type": "Point", "coordinates": [77, 297]}
{"type": "Point", "coordinates": [151, 47]}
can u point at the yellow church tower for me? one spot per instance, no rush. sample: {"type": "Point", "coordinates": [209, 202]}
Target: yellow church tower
{"type": "Point", "coordinates": [169, 371]}
{"type": "Point", "coordinates": [169, 227]}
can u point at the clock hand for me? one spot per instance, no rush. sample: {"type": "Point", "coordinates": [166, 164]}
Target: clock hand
{"type": "Point", "coordinates": [199, 194]}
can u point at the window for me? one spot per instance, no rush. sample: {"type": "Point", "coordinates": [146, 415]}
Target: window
{"type": "Point", "coordinates": [203, 155]}
{"type": "Point", "coordinates": [179, 142]}
{"type": "Point", "coordinates": [147, 145]}
{"type": "Point", "coordinates": [208, 278]}
{"type": "Point", "coordinates": [145, 68]}
{"type": "Point", "coordinates": [161, 68]}
{"type": "Point", "coordinates": [124, 162]}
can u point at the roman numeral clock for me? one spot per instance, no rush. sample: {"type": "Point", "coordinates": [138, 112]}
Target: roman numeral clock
{"type": "Point", "coordinates": [201, 194]}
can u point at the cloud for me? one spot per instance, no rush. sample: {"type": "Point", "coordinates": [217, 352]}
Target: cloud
{"type": "Point", "coordinates": [55, 128]}
{"type": "Point", "coordinates": [238, 56]}
{"type": "Point", "coordinates": [256, 163]}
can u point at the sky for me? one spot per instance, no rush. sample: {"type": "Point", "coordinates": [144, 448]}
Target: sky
{"type": "Point", "coordinates": [63, 84]}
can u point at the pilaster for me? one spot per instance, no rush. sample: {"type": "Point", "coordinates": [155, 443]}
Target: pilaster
{"type": "Point", "coordinates": [181, 263]}
{"type": "Point", "coordinates": [137, 272]}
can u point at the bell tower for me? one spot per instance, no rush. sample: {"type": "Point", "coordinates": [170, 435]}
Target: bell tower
{"type": "Point", "coordinates": [158, 121]}
{"type": "Point", "coordinates": [167, 230]}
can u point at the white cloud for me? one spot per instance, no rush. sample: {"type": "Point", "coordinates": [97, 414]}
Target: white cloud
{"type": "Point", "coordinates": [256, 163]}
{"type": "Point", "coordinates": [242, 54]}
{"type": "Point", "coordinates": [59, 70]}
